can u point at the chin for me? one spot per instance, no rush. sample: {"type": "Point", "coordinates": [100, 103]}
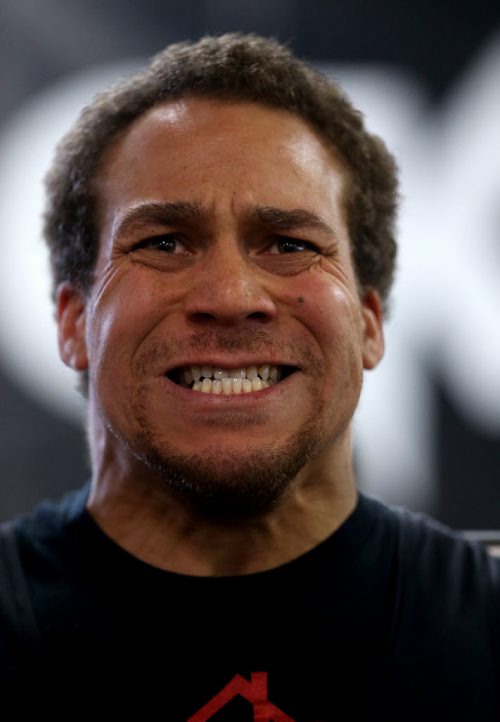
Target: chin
{"type": "Point", "coordinates": [221, 484]}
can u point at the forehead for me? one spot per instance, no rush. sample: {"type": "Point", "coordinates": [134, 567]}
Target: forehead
{"type": "Point", "coordinates": [194, 146]}
{"type": "Point", "coordinates": [174, 121]}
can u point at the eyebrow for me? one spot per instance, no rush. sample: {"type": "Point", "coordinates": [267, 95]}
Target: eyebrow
{"type": "Point", "coordinates": [165, 213]}
{"type": "Point", "coordinates": [162, 213]}
{"type": "Point", "coordinates": [286, 220]}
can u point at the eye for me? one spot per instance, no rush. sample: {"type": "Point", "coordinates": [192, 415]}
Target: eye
{"type": "Point", "coordinates": [166, 243]}
{"type": "Point", "coordinates": [291, 245]}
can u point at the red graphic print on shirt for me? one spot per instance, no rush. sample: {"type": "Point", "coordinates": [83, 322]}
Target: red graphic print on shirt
{"type": "Point", "coordinates": [254, 691]}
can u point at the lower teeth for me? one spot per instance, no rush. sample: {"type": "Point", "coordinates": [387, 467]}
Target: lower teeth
{"type": "Point", "coordinates": [230, 386]}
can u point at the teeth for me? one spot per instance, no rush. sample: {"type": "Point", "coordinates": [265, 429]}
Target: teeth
{"type": "Point", "coordinates": [264, 372]}
{"type": "Point", "coordinates": [216, 380]}
{"type": "Point", "coordinates": [246, 386]}
{"type": "Point", "coordinates": [252, 373]}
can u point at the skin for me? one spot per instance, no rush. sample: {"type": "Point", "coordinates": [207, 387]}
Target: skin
{"type": "Point", "coordinates": [222, 290]}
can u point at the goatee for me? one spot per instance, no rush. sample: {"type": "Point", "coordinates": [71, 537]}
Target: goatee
{"type": "Point", "coordinates": [224, 487]}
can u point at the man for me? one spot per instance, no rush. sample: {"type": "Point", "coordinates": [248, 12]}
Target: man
{"type": "Point", "coordinates": [221, 237]}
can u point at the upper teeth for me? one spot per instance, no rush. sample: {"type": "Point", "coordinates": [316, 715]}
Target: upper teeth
{"type": "Point", "coordinates": [213, 379]}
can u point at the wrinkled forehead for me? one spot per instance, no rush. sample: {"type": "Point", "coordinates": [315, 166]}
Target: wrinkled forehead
{"type": "Point", "coordinates": [174, 123]}
{"type": "Point", "coordinates": [181, 149]}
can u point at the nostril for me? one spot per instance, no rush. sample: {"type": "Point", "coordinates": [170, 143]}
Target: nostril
{"type": "Point", "coordinates": [202, 317]}
{"type": "Point", "coordinates": [259, 316]}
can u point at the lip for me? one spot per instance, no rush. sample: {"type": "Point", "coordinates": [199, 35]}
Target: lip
{"type": "Point", "coordinates": [224, 362]}
{"type": "Point", "coordinates": [207, 401]}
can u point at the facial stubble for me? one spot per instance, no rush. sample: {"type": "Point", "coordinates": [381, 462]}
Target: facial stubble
{"type": "Point", "coordinates": [222, 485]}
{"type": "Point", "coordinates": [216, 483]}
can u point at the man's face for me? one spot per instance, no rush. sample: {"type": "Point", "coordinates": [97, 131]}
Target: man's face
{"type": "Point", "coordinates": [224, 250]}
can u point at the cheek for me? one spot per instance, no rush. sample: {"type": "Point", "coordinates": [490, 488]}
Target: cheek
{"type": "Point", "coordinates": [122, 317]}
{"type": "Point", "coordinates": [330, 313]}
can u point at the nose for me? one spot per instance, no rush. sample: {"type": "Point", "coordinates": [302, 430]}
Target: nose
{"type": "Point", "coordinates": [228, 289]}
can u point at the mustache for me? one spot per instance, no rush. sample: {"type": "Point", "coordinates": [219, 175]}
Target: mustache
{"type": "Point", "coordinates": [256, 341]}
{"type": "Point", "coordinates": [232, 341]}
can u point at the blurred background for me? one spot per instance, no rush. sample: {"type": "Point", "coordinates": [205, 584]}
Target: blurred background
{"type": "Point", "coordinates": [426, 74]}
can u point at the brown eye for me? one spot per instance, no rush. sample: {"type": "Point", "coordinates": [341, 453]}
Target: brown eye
{"type": "Point", "coordinates": [167, 243]}
{"type": "Point", "coordinates": [291, 245]}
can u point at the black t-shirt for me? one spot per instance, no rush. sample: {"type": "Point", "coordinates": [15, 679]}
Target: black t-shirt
{"type": "Point", "coordinates": [392, 617]}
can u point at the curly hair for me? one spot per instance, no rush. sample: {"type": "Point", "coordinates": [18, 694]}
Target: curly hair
{"type": "Point", "coordinates": [231, 67]}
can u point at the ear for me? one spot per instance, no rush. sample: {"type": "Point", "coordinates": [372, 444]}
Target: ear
{"type": "Point", "coordinates": [373, 333]}
{"type": "Point", "coordinates": [71, 308]}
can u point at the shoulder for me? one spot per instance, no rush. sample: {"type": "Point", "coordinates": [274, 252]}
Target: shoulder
{"type": "Point", "coordinates": [443, 556]}
{"type": "Point", "coordinates": [39, 538]}
{"type": "Point", "coordinates": [438, 571]}
{"type": "Point", "coordinates": [33, 560]}
{"type": "Point", "coordinates": [443, 641]}
{"type": "Point", "coordinates": [49, 516]}
{"type": "Point", "coordinates": [420, 537]}
{"type": "Point", "coordinates": [447, 582]}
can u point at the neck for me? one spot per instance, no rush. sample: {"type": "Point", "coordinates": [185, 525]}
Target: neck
{"type": "Point", "coordinates": [162, 532]}
{"type": "Point", "coordinates": [137, 511]}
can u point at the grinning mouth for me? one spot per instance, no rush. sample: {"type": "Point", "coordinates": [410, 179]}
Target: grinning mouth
{"type": "Point", "coordinates": [228, 381]}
